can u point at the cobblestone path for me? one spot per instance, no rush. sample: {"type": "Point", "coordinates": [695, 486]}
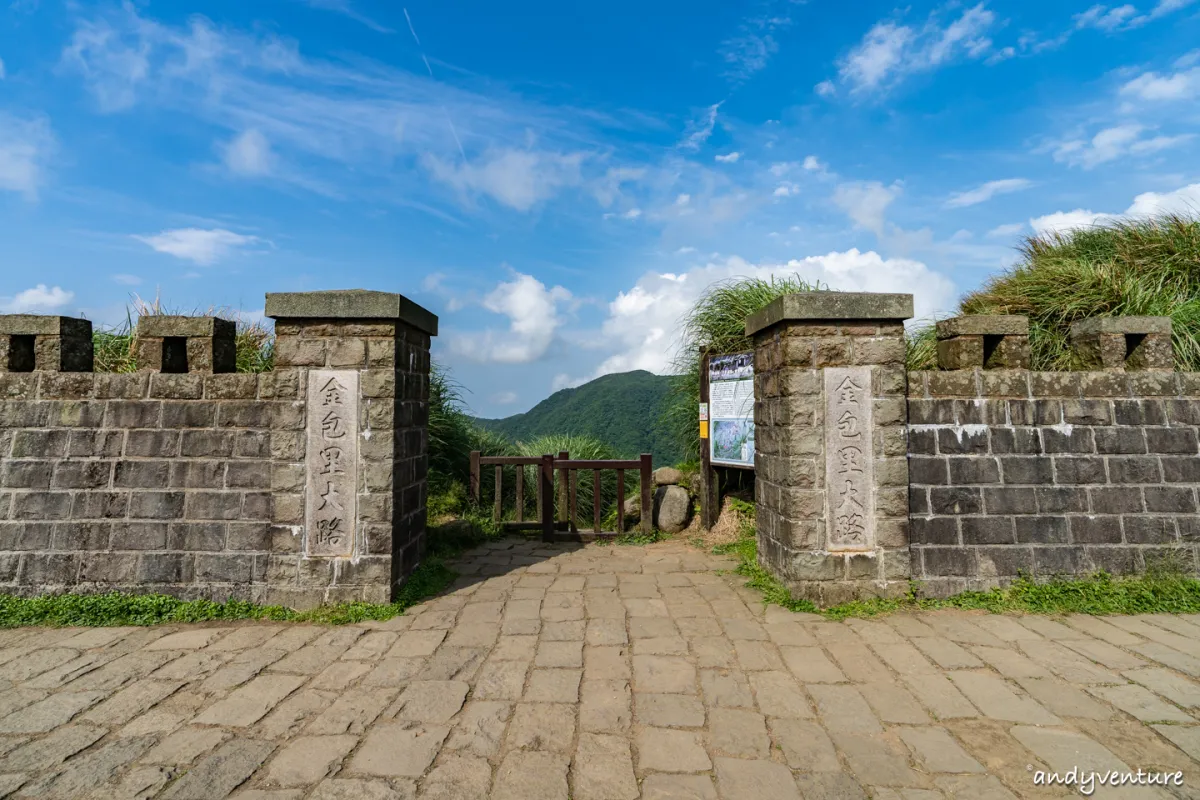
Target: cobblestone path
{"type": "Point", "coordinates": [600, 673]}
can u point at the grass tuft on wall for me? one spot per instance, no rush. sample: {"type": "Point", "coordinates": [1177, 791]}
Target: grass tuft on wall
{"type": "Point", "coordinates": [1141, 267]}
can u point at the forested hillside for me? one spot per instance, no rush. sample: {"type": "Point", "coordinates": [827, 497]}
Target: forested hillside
{"type": "Point", "coordinates": [623, 410]}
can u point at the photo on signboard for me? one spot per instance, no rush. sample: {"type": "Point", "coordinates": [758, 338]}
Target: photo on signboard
{"type": "Point", "coordinates": [733, 440]}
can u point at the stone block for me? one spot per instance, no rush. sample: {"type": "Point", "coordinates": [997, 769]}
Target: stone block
{"type": "Point", "coordinates": [293, 308]}
{"type": "Point", "coordinates": [1129, 343]}
{"type": "Point", "coordinates": [45, 343]}
{"type": "Point", "coordinates": [983, 325]}
{"type": "Point", "coordinates": [827, 306]}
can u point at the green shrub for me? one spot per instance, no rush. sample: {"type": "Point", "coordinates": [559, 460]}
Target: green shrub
{"type": "Point", "coordinates": [1148, 267]}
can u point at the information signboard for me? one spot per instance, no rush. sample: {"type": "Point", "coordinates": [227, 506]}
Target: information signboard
{"type": "Point", "coordinates": [731, 409]}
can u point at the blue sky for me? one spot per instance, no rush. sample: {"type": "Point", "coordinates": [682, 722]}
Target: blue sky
{"type": "Point", "coordinates": [559, 181]}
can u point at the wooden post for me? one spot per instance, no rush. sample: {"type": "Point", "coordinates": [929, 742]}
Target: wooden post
{"type": "Point", "coordinates": [574, 526]}
{"type": "Point", "coordinates": [563, 455]}
{"type": "Point", "coordinates": [647, 504]}
{"type": "Point", "coordinates": [499, 487]}
{"type": "Point", "coordinates": [595, 501]}
{"type": "Point", "coordinates": [546, 497]}
{"type": "Point", "coordinates": [520, 493]}
{"type": "Point", "coordinates": [475, 475]}
{"type": "Point", "coordinates": [708, 489]}
{"type": "Point", "coordinates": [620, 501]}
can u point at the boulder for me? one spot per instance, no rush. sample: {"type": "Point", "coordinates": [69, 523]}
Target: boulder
{"type": "Point", "coordinates": [672, 509]}
{"type": "Point", "coordinates": [633, 511]}
{"type": "Point", "coordinates": [667, 476]}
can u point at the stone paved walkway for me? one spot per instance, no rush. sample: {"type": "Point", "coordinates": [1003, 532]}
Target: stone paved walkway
{"type": "Point", "coordinates": [599, 673]}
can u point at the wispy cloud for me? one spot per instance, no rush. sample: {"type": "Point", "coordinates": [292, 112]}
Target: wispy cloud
{"type": "Point", "coordinates": [700, 128]}
{"type": "Point", "coordinates": [199, 246]}
{"type": "Point", "coordinates": [728, 158]}
{"type": "Point", "coordinates": [125, 279]}
{"type": "Point", "coordinates": [1005, 231]}
{"type": "Point", "coordinates": [891, 51]}
{"type": "Point", "coordinates": [985, 192]}
{"type": "Point", "coordinates": [519, 179]}
{"type": "Point", "coordinates": [2, 72]}
{"type": "Point", "coordinates": [750, 49]}
{"type": "Point", "coordinates": [866, 202]}
{"type": "Point", "coordinates": [26, 145]}
{"type": "Point", "coordinates": [365, 128]}
{"type": "Point", "coordinates": [1151, 86]}
{"type": "Point", "coordinates": [346, 9]}
{"type": "Point", "coordinates": [1113, 143]}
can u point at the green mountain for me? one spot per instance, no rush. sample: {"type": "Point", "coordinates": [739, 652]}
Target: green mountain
{"type": "Point", "coordinates": [624, 410]}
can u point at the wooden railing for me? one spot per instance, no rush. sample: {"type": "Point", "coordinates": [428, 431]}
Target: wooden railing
{"type": "Point", "coordinates": [560, 475]}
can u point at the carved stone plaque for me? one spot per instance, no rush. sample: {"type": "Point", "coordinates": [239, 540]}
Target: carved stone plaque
{"type": "Point", "coordinates": [331, 468]}
{"type": "Point", "coordinates": [849, 478]}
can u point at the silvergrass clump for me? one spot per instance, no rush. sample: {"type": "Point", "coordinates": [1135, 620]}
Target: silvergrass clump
{"type": "Point", "coordinates": [1144, 267]}
{"type": "Point", "coordinates": [115, 347]}
{"type": "Point", "coordinates": [717, 321]}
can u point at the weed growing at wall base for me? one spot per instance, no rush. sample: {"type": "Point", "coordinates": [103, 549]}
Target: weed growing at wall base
{"type": "Point", "coordinates": [99, 610]}
{"type": "Point", "coordinates": [1157, 592]}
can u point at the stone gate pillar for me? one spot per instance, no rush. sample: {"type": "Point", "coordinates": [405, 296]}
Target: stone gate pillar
{"type": "Point", "coordinates": [350, 486]}
{"type": "Point", "coordinates": [831, 469]}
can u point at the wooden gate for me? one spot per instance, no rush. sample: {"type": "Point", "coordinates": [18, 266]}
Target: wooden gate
{"type": "Point", "coordinates": [559, 476]}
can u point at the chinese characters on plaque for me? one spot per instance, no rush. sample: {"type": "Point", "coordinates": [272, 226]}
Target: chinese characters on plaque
{"type": "Point", "coordinates": [850, 517]}
{"type": "Point", "coordinates": [331, 480]}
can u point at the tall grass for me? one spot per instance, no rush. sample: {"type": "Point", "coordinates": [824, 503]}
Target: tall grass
{"type": "Point", "coordinates": [717, 322]}
{"type": "Point", "coordinates": [115, 347]}
{"type": "Point", "coordinates": [1145, 267]}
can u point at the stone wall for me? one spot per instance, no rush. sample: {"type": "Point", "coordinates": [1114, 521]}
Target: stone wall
{"type": "Point", "coordinates": [1050, 474]}
{"type": "Point", "coordinates": [147, 482]}
{"type": "Point", "coordinates": [214, 484]}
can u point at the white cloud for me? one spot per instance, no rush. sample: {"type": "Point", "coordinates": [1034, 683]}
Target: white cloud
{"type": "Point", "coordinates": [519, 179]}
{"type": "Point", "coordinates": [683, 251]}
{"type": "Point", "coordinates": [632, 213]}
{"type": "Point", "coordinates": [889, 51]}
{"type": "Point", "coordinates": [2, 73]}
{"type": "Point", "coordinates": [700, 128]}
{"type": "Point", "coordinates": [249, 154]}
{"type": "Point", "coordinates": [39, 299]}
{"type": "Point", "coordinates": [197, 245]}
{"type": "Point", "coordinates": [504, 398]}
{"type": "Point", "coordinates": [813, 164]}
{"type": "Point", "coordinates": [126, 279]}
{"type": "Point", "coordinates": [1184, 201]}
{"type": "Point", "coordinates": [1151, 86]}
{"type": "Point", "coordinates": [825, 89]}
{"type": "Point", "coordinates": [25, 147]}
{"type": "Point", "coordinates": [534, 321]}
{"type": "Point", "coordinates": [1105, 18]}
{"type": "Point", "coordinates": [985, 192]}
{"type": "Point", "coordinates": [643, 321]}
{"type": "Point", "coordinates": [729, 158]}
{"type": "Point", "coordinates": [683, 200]}
{"type": "Point", "coordinates": [786, 189]}
{"type": "Point", "coordinates": [1113, 143]}
{"type": "Point", "coordinates": [1005, 231]}
{"type": "Point", "coordinates": [866, 202]}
